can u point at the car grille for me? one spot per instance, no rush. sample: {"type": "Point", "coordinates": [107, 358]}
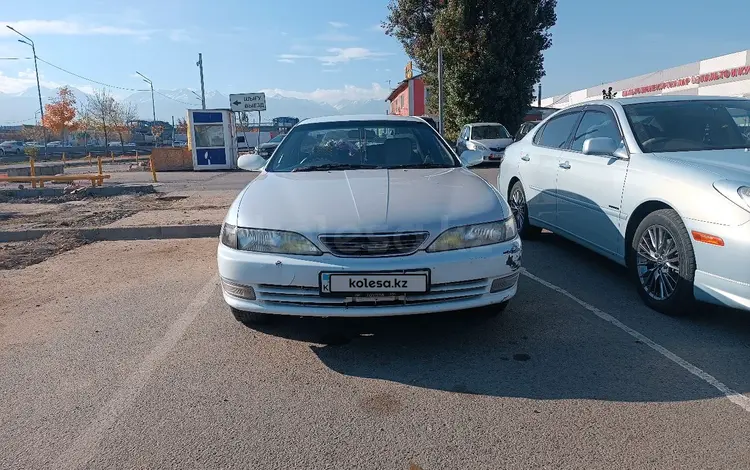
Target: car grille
{"type": "Point", "coordinates": [388, 244]}
{"type": "Point", "coordinates": [497, 149]}
{"type": "Point", "coordinates": [310, 296]}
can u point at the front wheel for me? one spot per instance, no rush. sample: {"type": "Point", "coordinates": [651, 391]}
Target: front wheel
{"type": "Point", "coordinates": [662, 263]}
{"type": "Point", "coordinates": [520, 210]}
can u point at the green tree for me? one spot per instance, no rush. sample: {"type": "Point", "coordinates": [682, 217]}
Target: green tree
{"type": "Point", "coordinates": [492, 53]}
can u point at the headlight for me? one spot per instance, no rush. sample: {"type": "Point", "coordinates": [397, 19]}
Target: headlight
{"type": "Point", "coordinates": [744, 193]}
{"type": "Point", "coordinates": [228, 235]}
{"type": "Point", "coordinates": [470, 236]}
{"type": "Point", "coordinates": [480, 147]}
{"type": "Point", "coordinates": [274, 241]}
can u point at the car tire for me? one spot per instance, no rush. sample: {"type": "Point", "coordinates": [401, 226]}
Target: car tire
{"type": "Point", "coordinates": [251, 318]}
{"type": "Point", "coordinates": [517, 202]}
{"type": "Point", "coordinates": [669, 289]}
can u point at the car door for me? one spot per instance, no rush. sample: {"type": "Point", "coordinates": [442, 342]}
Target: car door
{"type": "Point", "coordinates": [589, 187]}
{"type": "Point", "coordinates": [539, 164]}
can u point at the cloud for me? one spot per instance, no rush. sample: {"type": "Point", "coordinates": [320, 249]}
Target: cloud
{"type": "Point", "coordinates": [339, 55]}
{"type": "Point", "coordinates": [285, 61]}
{"type": "Point", "coordinates": [337, 24]}
{"type": "Point", "coordinates": [294, 56]}
{"type": "Point", "coordinates": [334, 95]}
{"type": "Point", "coordinates": [181, 35]}
{"type": "Point", "coordinates": [330, 70]}
{"type": "Point", "coordinates": [377, 28]}
{"type": "Point", "coordinates": [23, 81]}
{"type": "Point", "coordinates": [335, 37]}
{"type": "Point", "coordinates": [70, 28]}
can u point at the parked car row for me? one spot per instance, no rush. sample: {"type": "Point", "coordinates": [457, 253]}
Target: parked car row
{"type": "Point", "coordinates": [660, 185]}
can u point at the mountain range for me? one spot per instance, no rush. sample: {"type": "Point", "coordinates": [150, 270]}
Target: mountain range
{"type": "Point", "coordinates": [23, 108]}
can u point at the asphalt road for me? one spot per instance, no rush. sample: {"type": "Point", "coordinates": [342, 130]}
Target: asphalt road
{"type": "Point", "coordinates": [123, 355]}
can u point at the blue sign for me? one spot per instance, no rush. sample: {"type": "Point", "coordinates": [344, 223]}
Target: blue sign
{"type": "Point", "coordinates": [208, 157]}
{"type": "Point", "coordinates": [207, 118]}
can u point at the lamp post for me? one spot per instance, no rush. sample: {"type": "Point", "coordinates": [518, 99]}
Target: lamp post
{"type": "Point", "coordinates": [29, 42]}
{"type": "Point", "coordinates": [203, 104]}
{"type": "Point", "coordinates": [203, 89]}
{"type": "Point", "coordinates": [153, 102]}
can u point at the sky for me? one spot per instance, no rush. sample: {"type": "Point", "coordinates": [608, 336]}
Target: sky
{"type": "Point", "coordinates": [331, 50]}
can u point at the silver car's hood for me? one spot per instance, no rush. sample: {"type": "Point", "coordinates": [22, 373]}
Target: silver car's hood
{"type": "Point", "coordinates": [369, 201]}
{"type": "Point", "coordinates": [731, 164]}
{"type": "Point", "coordinates": [495, 143]}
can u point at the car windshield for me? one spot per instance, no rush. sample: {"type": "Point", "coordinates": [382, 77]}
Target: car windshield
{"type": "Point", "coordinates": [276, 139]}
{"type": "Point", "coordinates": [362, 145]}
{"type": "Point", "coordinates": [683, 126]}
{"type": "Point", "coordinates": [496, 131]}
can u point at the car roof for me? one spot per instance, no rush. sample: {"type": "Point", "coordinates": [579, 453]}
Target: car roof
{"type": "Point", "coordinates": [661, 99]}
{"type": "Point", "coordinates": [485, 124]}
{"type": "Point", "coordinates": [358, 118]}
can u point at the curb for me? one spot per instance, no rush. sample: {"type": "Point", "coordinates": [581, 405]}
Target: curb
{"type": "Point", "coordinates": [88, 191]}
{"type": "Point", "coordinates": [97, 234]}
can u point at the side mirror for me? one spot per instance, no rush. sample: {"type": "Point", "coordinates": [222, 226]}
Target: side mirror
{"type": "Point", "coordinates": [251, 162]}
{"type": "Point", "coordinates": [471, 158]}
{"type": "Point", "coordinates": [603, 146]}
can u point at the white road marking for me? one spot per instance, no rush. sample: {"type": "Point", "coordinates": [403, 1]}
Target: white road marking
{"type": "Point", "coordinates": [735, 397]}
{"type": "Point", "coordinates": [82, 449]}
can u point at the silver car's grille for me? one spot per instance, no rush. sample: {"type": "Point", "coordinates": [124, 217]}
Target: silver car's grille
{"type": "Point", "coordinates": [497, 149]}
{"type": "Point", "coordinates": [379, 244]}
{"type": "Point", "coordinates": [310, 296]}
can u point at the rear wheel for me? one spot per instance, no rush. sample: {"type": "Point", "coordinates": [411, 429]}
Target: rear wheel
{"type": "Point", "coordinates": [520, 209]}
{"type": "Point", "coordinates": [251, 318]}
{"type": "Point", "coordinates": [662, 263]}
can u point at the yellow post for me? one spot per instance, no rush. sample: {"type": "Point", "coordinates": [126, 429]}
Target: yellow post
{"type": "Point", "coordinates": [89, 158]}
{"type": "Point", "coordinates": [113, 156]}
{"type": "Point", "coordinates": [63, 158]}
{"type": "Point", "coordinates": [151, 164]}
{"type": "Point", "coordinates": [136, 156]}
{"type": "Point", "coordinates": [33, 171]}
{"type": "Point", "coordinates": [99, 165]}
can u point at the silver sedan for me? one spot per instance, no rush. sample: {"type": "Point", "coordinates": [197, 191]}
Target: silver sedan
{"type": "Point", "coordinates": [658, 184]}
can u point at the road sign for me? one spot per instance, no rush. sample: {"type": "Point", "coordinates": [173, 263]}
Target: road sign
{"type": "Point", "coordinates": [248, 102]}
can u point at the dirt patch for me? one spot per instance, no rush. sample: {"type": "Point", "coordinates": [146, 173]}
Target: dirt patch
{"type": "Point", "coordinates": [18, 255]}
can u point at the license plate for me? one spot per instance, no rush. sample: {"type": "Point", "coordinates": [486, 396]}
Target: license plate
{"type": "Point", "coordinates": [374, 283]}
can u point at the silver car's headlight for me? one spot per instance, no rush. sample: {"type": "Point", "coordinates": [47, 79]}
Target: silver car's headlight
{"type": "Point", "coordinates": [267, 241]}
{"type": "Point", "coordinates": [480, 147]}
{"type": "Point", "coordinates": [470, 236]}
{"type": "Point", "coordinates": [744, 192]}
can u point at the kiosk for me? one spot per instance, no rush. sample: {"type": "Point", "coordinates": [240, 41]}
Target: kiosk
{"type": "Point", "coordinates": [211, 138]}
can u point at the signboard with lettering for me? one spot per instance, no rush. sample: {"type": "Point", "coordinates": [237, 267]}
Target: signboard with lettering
{"type": "Point", "coordinates": [685, 81]}
{"type": "Point", "coordinates": [248, 102]}
{"type": "Point", "coordinates": [409, 71]}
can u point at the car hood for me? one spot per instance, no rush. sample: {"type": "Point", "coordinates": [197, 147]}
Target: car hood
{"type": "Point", "coordinates": [369, 201]}
{"type": "Point", "coordinates": [495, 143]}
{"type": "Point", "coordinates": [731, 164]}
{"type": "Point", "coordinates": [268, 145]}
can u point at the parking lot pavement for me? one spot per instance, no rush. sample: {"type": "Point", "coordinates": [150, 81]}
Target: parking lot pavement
{"type": "Point", "coordinates": [139, 364]}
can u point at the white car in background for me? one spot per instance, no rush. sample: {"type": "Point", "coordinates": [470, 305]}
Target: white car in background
{"type": "Point", "coordinates": [379, 218]}
{"type": "Point", "coordinates": [489, 138]}
{"type": "Point", "coordinates": [11, 147]}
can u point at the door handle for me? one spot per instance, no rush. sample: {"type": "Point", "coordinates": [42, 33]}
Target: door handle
{"type": "Point", "coordinates": [565, 165]}
{"type": "Point", "coordinates": [525, 157]}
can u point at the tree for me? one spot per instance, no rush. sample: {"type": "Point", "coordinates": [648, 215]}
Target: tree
{"type": "Point", "coordinates": [122, 117]}
{"type": "Point", "coordinates": [60, 113]}
{"type": "Point", "coordinates": [101, 107]}
{"type": "Point", "coordinates": [182, 126]}
{"type": "Point", "coordinates": [33, 133]}
{"type": "Point", "coordinates": [492, 53]}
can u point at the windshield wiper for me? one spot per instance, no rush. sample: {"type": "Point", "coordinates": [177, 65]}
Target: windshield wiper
{"type": "Point", "coordinates": [335, 166]}
{"type": "Point", "coordinates": [420, 165]}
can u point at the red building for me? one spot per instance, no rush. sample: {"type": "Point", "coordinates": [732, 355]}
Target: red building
{"type": "Point", "coordinates": [409, 97]}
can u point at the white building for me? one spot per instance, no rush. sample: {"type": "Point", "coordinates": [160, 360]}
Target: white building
{"type": "Point", "coordinates": [728, 75]}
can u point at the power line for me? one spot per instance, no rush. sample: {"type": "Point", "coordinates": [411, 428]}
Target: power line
{"type": "Point", "coordinates": [173, 99]}
{"type": "Point", "coordinates": [86, 78]}
{"type": "Point", "coordinates": [6, 123]}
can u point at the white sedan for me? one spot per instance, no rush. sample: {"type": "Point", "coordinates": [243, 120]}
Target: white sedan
{"type": "Point", "coordinates": [380, 219]}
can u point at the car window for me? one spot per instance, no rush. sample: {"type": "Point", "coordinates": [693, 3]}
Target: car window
{"type": "Point", "coordinates": [692, 125]}
{"type": "Point", "coordinates": [464, 133]}
{"type": "Point", "coordinates": [489, 132]}
{"type": "Point", "coordinates": [368, 144]}
{"type": "Point", "coordinates": [557, 130]}
{"type": "Point", "coordinates": [596, 124]}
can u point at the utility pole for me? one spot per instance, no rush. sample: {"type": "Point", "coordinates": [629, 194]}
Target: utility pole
{"type": "Point", "coordinates": [257, 149]}
{"type": "Point", "coordinates": [539, 96]}
{"type": "Point", "coordinates": [29, 42]}
{"type": "Point", "coordinates": [173, 131]}
{"type": "Point", "coordinates": [441, 125]}
{"type": "Point", "coordinates": [153, 102]}
{"type": "Point", "coordinates": [203, 90]}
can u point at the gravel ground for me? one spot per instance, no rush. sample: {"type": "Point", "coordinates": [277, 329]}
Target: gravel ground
{"type": "Point", "coordinates": [18, 255]}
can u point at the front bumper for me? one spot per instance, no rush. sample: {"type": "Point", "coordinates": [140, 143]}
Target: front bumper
{"type": "Point", "coordinates": [493, 155]}
{"type": "Point", "coordinates": [723, 272]}
{"type": "Point", "coordinates": [289, 285]}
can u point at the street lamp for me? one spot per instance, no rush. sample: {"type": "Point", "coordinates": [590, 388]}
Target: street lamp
{"type": "Point", "coordinates": [198, 96]}
{"type": "Point", "coordinates": [153, 103]}
{"type": "Point", "coordinates": [29, 42]}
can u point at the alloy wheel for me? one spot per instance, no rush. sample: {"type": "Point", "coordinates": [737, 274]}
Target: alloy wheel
{"type": "Point", "coordinates": [658, 262]}
{"type": "Point", "coordinates": [518, 208]}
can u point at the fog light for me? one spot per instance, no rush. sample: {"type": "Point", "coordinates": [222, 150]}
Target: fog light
{"type": "Point", "coordinates": [503, 283]}
{"type": "Point", "coordinates": [238, 290]}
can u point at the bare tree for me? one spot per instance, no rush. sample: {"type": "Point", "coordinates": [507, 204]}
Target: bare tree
{"type": "Point", "coordinates": [123, 116]}
{"type": "Point", "coordinates": [101, 106]}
